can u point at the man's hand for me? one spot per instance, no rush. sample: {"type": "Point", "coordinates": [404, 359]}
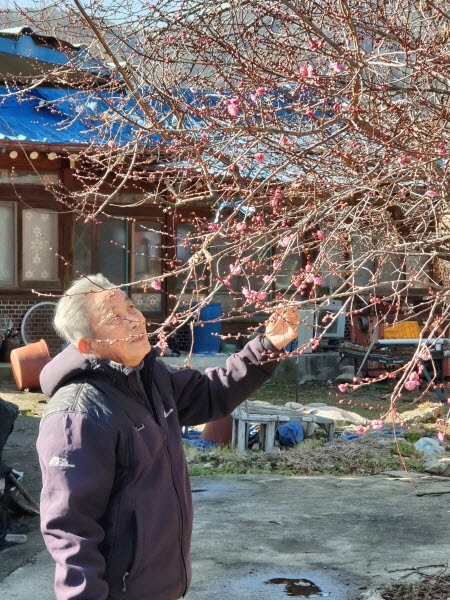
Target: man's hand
{"type": "Point", "coordinates": [281, 328]}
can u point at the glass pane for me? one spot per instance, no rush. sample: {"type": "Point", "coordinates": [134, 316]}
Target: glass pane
{"type": "Point", "coordinates": [289, 265]}
{"type": "Point", "coordinates": [20, 176]}
{"type": "Point", "coordinates": [187, 243]}
{"type": "Point", "coordinates": [82, 250]}
{"type": "Point", "coordinates": [40, 242]}
{"type": "Point", "coordinates": [112, 254]}
{"type": "Point", "coordinates": [147, 249]}
{"type": "Point", "coordinates": [147, 302]}
{"type": "Point", "coordinates": [8, 237]}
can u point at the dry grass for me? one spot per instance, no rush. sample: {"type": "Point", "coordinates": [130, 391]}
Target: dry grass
{"type": "Point", "coordinates": [431, 588]}
{"type": "Point", "coordinates": [368, 455]}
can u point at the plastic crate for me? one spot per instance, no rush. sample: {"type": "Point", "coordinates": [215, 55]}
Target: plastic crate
{"type": "Point", "coordinates": [407, 330]}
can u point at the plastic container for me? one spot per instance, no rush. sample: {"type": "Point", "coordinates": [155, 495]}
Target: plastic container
{"type": "Point", "coordinates": [207, 335]}
{"type": "Point", "coordinates": [407, 330]}
{"type": "Point", "coordinates": [221, 430]}
{"type": "Point", "coordinates": [27, 363]}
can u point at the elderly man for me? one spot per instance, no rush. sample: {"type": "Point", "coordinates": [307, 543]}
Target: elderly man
{"type": "Point", "coordinates": [116, 507]}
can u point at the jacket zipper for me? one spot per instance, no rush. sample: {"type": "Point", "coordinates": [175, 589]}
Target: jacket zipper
{"type": "Point", "coordinates": [117, 519]}
{"type": "Point", "coordinates": [150, 403]}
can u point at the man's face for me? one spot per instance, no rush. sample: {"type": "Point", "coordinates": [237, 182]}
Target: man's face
{"type": "Point", "coordinates": [118, 329]}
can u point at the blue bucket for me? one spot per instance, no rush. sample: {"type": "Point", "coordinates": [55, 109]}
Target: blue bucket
{"type": "Point", "coordinates": [207, 336]}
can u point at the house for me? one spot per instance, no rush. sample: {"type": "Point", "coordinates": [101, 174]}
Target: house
{"type": "Point", "coordinates": [54, 135]}
{"type": "Point", "coordinates": [51, 231]}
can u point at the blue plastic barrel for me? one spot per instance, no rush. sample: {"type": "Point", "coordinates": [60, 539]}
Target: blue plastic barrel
{"type": "Point", "coordinates": [207, 336]}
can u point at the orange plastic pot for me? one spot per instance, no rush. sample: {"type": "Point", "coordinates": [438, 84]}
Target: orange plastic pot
{"type": "Point", "coordinates": [27, 363]}
{"type": "Point", "coordinates": [220, 430]}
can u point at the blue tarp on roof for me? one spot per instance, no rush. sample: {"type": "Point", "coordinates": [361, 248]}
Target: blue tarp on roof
{"type": "Point", "coordinates": [60, 116]}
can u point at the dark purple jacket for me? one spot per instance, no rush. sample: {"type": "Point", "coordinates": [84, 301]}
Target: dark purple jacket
{"type": "Point", "coordinates": [116, 507]}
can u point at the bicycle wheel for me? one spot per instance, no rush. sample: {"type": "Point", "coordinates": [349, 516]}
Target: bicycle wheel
{"type": "Point", "coordinates": [37, 323]}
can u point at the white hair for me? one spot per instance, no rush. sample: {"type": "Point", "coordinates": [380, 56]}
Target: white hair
{"type": "Point", "coordinates": [72, 314]}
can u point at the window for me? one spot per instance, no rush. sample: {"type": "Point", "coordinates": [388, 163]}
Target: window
{"type": "Point", "coordinates": [101, 247]}
{"type": "Point", "coordinates": [8, 237]}
{"type": "Point", "coordinates": [147, 250]}
{"type": "Point", "coordinates": [123, 253]}
{"type": "Point", "coordinates": [30, 247]}
{"type": "Point", "coordinates": [39, 242]}
{"type": "Point", "coordinates": [147, 264]}
{"type": "Point", "coordinates": [112, 250]}
{"type": "Point", "coordinates": [187, 244]}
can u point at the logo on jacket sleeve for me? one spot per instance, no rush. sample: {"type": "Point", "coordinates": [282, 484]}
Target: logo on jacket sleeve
{"type": "Point", "coordinates": [59, 461]}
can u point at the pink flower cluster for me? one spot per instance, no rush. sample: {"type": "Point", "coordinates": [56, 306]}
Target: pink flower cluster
{"type": "Point", "coordinates": [375, 425]}
{"type": "Point", "coordinates": [259, 92]}
{"type": "Point", "coordinates": [233, 107]}
{"type": "Point", "coordinates": [252, 296]}
{"type": "Point", "coordinates": [277, 195]}
{"type": "Point", "coordinates": [307, 70]}
{"type": "Point", "coordinates": [413, 382]}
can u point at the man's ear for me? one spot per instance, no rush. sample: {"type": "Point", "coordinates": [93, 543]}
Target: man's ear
{"type": "Point", "coordinates": [84, 345]}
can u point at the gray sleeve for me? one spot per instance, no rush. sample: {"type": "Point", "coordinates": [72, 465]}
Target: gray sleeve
{"type": "Point", "coordinates": [77, 458]}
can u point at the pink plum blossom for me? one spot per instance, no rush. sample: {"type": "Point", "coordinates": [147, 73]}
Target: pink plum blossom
{"type": "Point", "coordinates": [259, 157]}
{"type": "Point", "coordinates": [285, 241]}
{"type": "Point", "coordinates": [233, 110]}
{"type": "Point", "coordinates": [276, 197]}
{"type": "Point", "coordinates": [306, 70]}
{"type": "Point", "coordinates": [261, 296]}
{"type": "Point", "coordinates": [342, 387]}
{"type": "Point", "coordinates": [441, 151]}
{"type": "Point", "coordinates": [250, 295]}
{"type": "Point", "coordinates": [318, 280]}
{"type": "Point", "coordinates": [441, 436]}
{"type": "Point", "coordinates": [260, 91]}
{"type": "Point", "coordinates": [319, 234]}
{"type": "Point", "coordinates": [235, 270]}
{"type": "Point", "coordinates": [155, 284]}
{"type": "Point", "coordinates": [337, 67]}
{"type": "Point", "coordinates": [430, 193]}
{"type": "Point", "coordinates": [241, 226]}
{"type": "Point", "coordinates": [411, 385]}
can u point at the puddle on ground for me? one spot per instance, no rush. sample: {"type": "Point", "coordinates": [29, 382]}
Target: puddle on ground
{"type": "Point", "coordinates": [298, 588]}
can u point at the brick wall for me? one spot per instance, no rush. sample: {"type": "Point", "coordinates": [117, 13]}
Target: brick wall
{"type": "Point", "coordinates": [39, 324]}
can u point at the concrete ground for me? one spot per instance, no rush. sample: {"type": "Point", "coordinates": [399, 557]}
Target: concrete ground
{"type": "Point", "coordinates": [271, 537]}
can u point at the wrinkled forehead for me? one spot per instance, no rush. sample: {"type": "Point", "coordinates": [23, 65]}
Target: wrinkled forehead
{"type": "Point", "coordinates": [107, 301]}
